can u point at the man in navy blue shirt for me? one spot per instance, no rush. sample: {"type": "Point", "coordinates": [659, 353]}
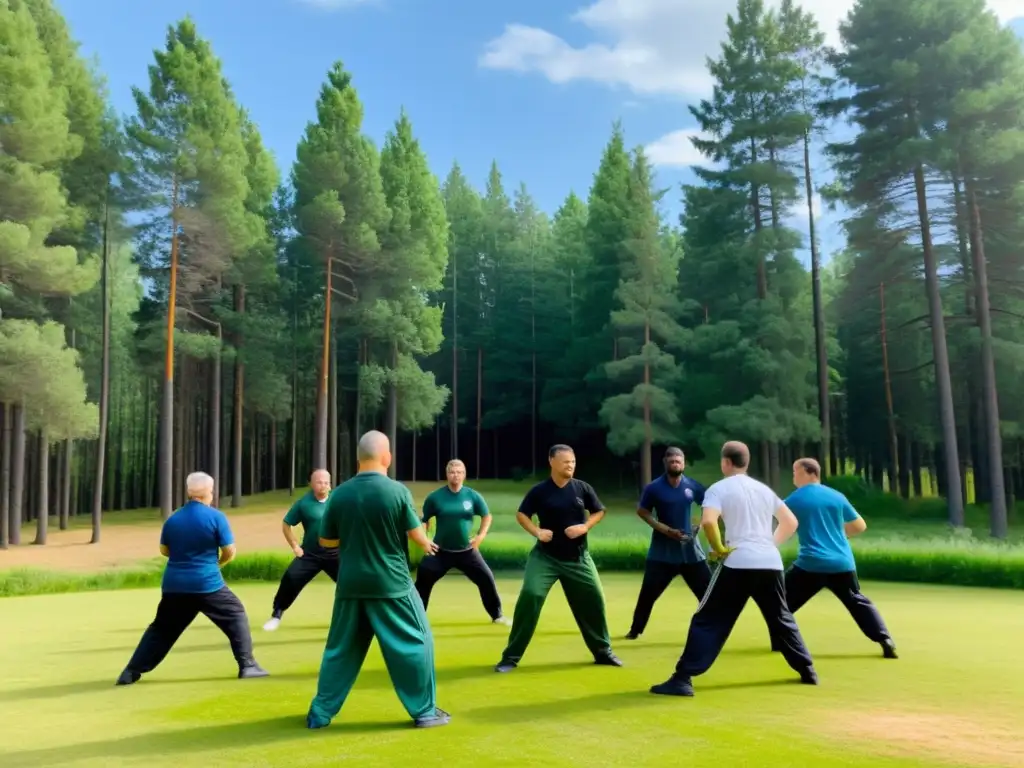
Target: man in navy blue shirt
{"type": "Point", "coordinates": [825, 559]}
{"type": "Point", "coordinates": [197, 541]}
{"type": "Point", "coordinates": [674, 549]}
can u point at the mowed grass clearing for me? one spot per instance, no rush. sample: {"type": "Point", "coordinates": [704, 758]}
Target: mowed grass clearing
{"type": "Point", "coordinates": [952, 698]}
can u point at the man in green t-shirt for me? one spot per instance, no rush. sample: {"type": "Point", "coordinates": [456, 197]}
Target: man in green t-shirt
{"type": "Point", "coordinates": [454, 506]}
{"type": "Point", "coordinates": [369, 519]}
{"type": "Point", "coordinates": [566, 510]}
{"type": "Point", "coordinates": [310, 557]}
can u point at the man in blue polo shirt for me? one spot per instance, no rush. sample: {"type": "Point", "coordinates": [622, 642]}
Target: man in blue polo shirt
{"type": "Point", "coordinates": [197, 542]}
{"type": "Point", "coordinates": [825, 560]}
{"type": "Point", "coordinates": [674, 549]}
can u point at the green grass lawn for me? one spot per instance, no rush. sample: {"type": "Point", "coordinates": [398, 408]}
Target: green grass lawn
{"type": "Point", "coordinates": [944, 702]}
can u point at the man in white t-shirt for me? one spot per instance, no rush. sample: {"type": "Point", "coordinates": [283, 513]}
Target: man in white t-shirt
{"type": "Point", "coordinates": [751, 569]}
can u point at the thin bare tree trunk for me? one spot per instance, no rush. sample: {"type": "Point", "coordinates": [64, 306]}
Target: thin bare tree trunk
{"type": "Point", "coordinates": [5, 476]}
{"type": "Point", "coordinates": [238, 407]}
{"type": "Point", "coordinates": [167, 407]}
{"type": "Point", "coordinates": [320, 447]}
{"type": "Point", "coordinates": [890, 412]}
{"type": "Point", "coordinates": [43, 499]}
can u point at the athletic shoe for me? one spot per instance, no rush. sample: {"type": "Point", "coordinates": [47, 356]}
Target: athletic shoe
{"type": "Point", "coordinates": [809, 677]}
{"type": "Point", "coordinates": [505, 666]}
{"type": "Point", "coordinates": [631, 635]}
{"type": "Point", "coordinates": [128, 677]}
{"type": "Point", "coordinates": [889, 649]}
{"type": "Point", "coordinates": [274, 622]}
{"type": "Point", "coordinates": [674, 686]}
{"type": "Point", "coordinates": [503, 620]}
{"type": "Point", "coordinates": [608, 659]}
{"type": "Point", "coordinates": [440, 717]}
{"type": "Point", "coordinates": [250, 671]}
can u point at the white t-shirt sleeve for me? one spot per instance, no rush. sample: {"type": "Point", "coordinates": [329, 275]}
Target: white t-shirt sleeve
{"type": "Point", "coordinates": [711, 498]}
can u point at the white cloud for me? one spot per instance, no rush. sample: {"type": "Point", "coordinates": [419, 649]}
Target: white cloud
{"type": "Point", "coordinates": [651, 47]}
{"type": "Point", "coordinates": [676, 150]}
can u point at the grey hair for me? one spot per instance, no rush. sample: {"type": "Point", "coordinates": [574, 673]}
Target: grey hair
{"type": "Point", "coordinates": [198, 482]}
{"type": "Point", "coordinates": [372, 445]}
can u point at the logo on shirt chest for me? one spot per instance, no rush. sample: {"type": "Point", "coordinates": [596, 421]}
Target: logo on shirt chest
{"type": "Point", "coordinates": [688, 494]}
{"type": "Point", "coordinates": [467, 505]}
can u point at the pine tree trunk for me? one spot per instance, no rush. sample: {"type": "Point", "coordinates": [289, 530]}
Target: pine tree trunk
{"type": "Point", "coordinates": [993, 438]}
{"type": "Point", "coordinates": [238, 407]}
{"type": "Point", "coordinates": [17, 472]}
{"type": "Point", "coordinates": [273, 455]}
{"type": "Point", "coordinates": [43, 499]}
{"type": "Point", "coordinates": [820, 352]}
{"type": "Point", "coordinates": [167, 406]}
{"type": "Point", "coordinates": [943, 380]}
{"type": "Point", "coordinates": [332, 410]}
{"type": "Point", "coordinates": [645, 455]}
{"type": "Point", "coordinates": [5, 475]}
{"type": "Point", "coordinates": [893, 453]}
{"type": "Point", "coordinates": [479, 406]}
{"type": "Point", "coordinates": [391, 419]}
{"type": "Point", "coordinates": [454, 436]}
{"type": "Point", "coordinates": [65, 495]}
{"type": "Point", "coordinates": [320, 446]}
{"type": "Point", "coordinates": [215, 419]}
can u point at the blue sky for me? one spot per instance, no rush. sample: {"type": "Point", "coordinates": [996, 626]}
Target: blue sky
{"type": "Point", "coordinates": [534, 84]}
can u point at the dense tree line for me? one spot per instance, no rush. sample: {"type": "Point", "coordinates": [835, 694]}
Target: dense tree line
{"type": "Point", "coordinates": [172, 300]}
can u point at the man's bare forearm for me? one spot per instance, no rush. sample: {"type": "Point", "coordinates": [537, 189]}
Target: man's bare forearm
{"type": "Point", "coordinates": [648, 517]}
{"type": "Point", "coordinates": [527, 524]}
{"type": "Point", "coordinates": [289, 535]}
{"type": "Point", "coordinates": [594, 518]}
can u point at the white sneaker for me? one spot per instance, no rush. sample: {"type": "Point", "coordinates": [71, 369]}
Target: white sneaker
{"type": "Point", "coordinates": [273, 624]}
{"type": "Point", "coordinates": [503, 620]}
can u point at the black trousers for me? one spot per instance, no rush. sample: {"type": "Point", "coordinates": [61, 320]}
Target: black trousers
{"type": "Point", "coordinates": [657, 577]}
{"type": "Point", "coordinates": [299, 573]}
{"type": "Point", "coordinates": [177, 610]}
{"type": "Point", "coordinates": [434, 567]}
{"type": "Point", "coordinates": [722, 605]}
{"type": "Point", "coordinates": [802, 585]}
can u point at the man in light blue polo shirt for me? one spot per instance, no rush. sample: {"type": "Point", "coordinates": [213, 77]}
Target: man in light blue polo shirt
{"type": "Point", "coordinates": [825, 561]}
{"type": "Point", "coordinates": [665, 505]}
{"type": "Point", "coordinates": [197, 542]}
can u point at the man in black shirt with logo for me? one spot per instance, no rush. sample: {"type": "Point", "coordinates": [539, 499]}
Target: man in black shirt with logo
{"type": "Point", "coordinates": [560, 504]}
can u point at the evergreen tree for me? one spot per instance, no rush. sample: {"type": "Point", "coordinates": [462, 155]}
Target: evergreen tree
{"type": "Point", "coordinates": [414, 259]}
{"type": "Point", "coordinates": [339, 210]}
{"type": "Point", "coordinates": [646, 413]}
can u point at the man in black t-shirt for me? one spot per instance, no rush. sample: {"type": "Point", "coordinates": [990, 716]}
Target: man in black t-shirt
{"type": "Point", "coordinates": [560, 504]}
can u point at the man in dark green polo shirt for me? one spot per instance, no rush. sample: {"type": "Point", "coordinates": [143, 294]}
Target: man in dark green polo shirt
{"type": "Point", "coordinates": [310, 558]}
{"type": "Point", "coordinates": [454, 506]}
{"type": "Point", "coordinates": [561, 504]}
{"type": "Point", "coordinates": [369, 519]}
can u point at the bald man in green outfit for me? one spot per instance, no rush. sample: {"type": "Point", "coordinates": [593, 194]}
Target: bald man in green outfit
{"type": "Point", "coordinates": [369, 519]}
{"type": "Point", "coordinates": [566, 509]}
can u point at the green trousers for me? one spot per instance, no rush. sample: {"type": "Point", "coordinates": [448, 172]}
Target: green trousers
{"type": "Point", "coordinates": [401, 628]}
{"type": "Point", "coordinates": [582, 587]}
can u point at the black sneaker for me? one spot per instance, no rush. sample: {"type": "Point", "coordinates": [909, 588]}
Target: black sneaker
{"type": "Point", "coordinates": [440, 717]}
{"type": "Point", "coordinates": [809, 677]}
{"type": "Point", "coordinates": [608, 659]}
{"type": "Point", "coordinates": [674, 686]}
{"type": "Point", "coordinates": [505, 666]}
{"type": "Point", "coordinates": [889, 649]}
{"type": "Point", "coordinates": [252, 670]}
{"type": "Point", "coordinates": [631, 635]}
{"type": "Point", "coordinates": [128, 677]}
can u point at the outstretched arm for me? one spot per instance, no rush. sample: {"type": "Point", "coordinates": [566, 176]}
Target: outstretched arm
{"type": "Point", "coordinates": [787, 524]}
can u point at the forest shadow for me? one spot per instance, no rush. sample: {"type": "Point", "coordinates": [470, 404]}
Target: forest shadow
{"type": "Point", "coordinates": [368, 678]}
{"type": "Point", "coordinates": [598, 702]}
{"type": "Point", "coordinates": [191, 740]}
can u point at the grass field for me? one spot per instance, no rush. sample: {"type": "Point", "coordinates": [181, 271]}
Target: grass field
{"type": "Point", "coordinates": [953, 698]}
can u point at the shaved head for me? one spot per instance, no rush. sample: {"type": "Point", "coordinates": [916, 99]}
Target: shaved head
{"type": "Point", "coordinates": [373, 446]}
